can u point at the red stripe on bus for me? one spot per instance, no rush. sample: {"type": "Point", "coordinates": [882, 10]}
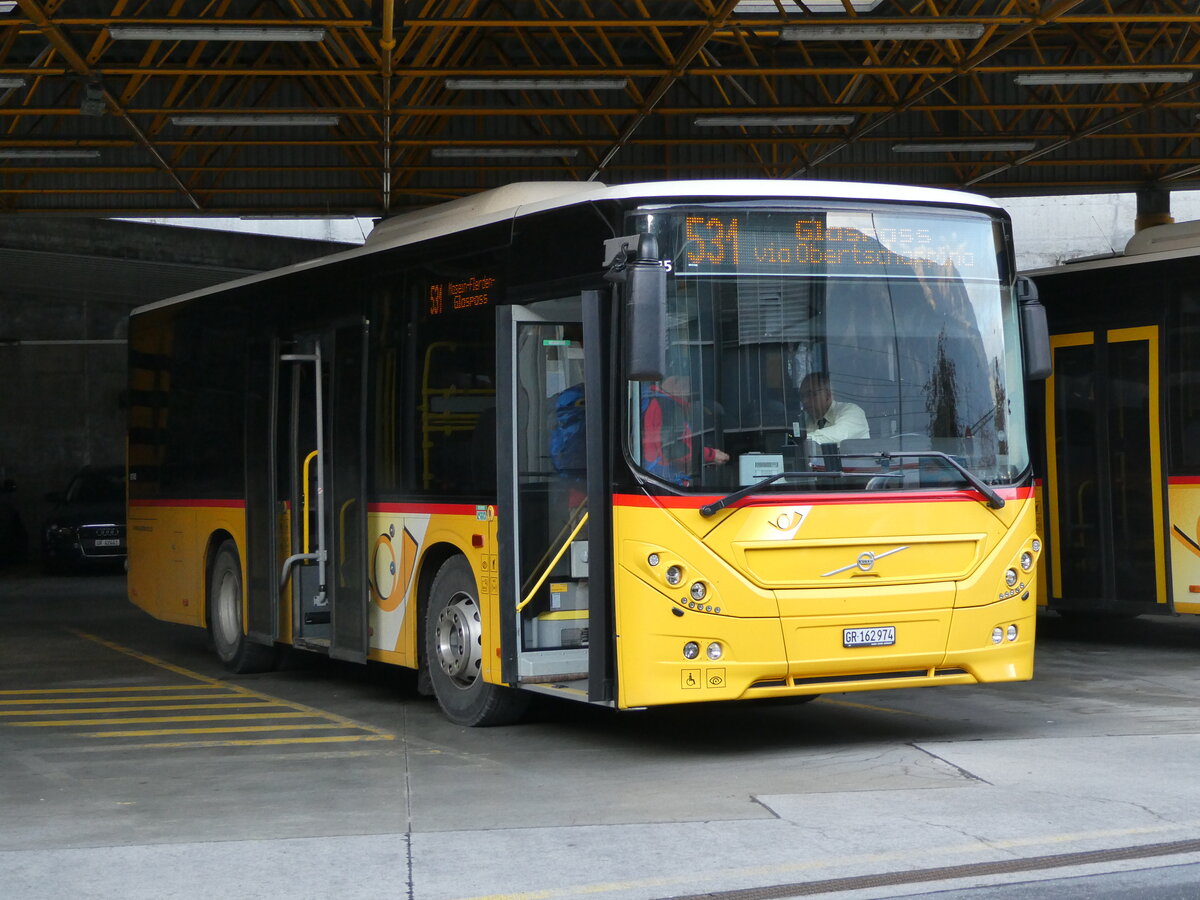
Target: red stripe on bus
{"type": "Point", "coordinates": [692, 502]}
{"type": "Point", "coordinates": [1183, 479]}
{"type": "Point", "coordinates": [193, 503]}
{"type": "Point", "coordinates": [444, 509]}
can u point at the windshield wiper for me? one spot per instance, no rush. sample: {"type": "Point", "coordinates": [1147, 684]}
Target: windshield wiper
{"type": "Point", "coordinates": [995, 501]}
{"type": "Point", "coordinates": [709, 509]}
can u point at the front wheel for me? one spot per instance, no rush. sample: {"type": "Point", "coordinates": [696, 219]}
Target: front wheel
{"type": "Point", "coordinates": [454, 653]}
{"type": "Point", "coordinates": [236, 652]}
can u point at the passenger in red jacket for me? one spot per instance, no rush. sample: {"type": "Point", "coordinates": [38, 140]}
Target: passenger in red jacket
{"type": "Point", "coordinates": [667, 449]}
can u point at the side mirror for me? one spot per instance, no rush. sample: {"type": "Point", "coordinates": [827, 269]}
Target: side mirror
{"type": "Point", "coordinates": [633, 262]}
{"type": "Point", "coordinates": [1035, 332]}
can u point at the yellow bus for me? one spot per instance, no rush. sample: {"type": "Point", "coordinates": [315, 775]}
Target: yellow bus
{"type": "Point", "coordinates": [1118, 427]}
{"type": "Point", "coordinates": [550, 439]}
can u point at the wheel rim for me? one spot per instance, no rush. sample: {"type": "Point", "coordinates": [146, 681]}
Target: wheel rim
{"type": "Point", "coordinates": [227, 601]}
{"type": "Point", "coordinates": [459, 640]}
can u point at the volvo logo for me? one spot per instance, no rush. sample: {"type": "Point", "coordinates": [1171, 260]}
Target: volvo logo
{"type": "Point", "coordinates": [865, 562]}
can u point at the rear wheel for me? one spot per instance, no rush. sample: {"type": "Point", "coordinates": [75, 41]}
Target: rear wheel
{"type": "Point", "coordinates": [454, 653]}
{"type": "Point", "coordinates": [235, 650]}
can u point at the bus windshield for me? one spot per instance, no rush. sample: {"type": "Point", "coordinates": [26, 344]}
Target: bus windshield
{"type": "Point", "coordinates": [818, 343]}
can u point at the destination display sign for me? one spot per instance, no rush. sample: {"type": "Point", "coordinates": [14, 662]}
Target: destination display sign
{"type": "Point", "coordinates": [455, 294]}
{"type": "Point", "coordinates": [830, 242]}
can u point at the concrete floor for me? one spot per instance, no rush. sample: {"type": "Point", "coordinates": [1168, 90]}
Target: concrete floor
{"type": "Point", "coordinates": [132, 766]}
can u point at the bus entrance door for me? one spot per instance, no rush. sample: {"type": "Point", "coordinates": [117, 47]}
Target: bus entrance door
{"type": "Point", "coordinates": [544, 568]}
{"type": "Point", "coordinates": [322, 455]}
{"type": "Point", "coordinates": [1104, 491]}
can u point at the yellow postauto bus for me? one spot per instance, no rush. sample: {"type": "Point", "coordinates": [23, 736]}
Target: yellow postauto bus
{"type": "Point", "coordinates": [551, 439]}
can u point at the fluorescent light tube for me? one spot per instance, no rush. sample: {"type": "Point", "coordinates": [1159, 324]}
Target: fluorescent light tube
{"type": "Point", "coordinates": [974, 146]}
{"type": "Point", "coordinates": [47, 153]}
{"type": "Point", "coordinates": [501, 152]}
{"type": "Point", "coordinates": [868, 31]}
{"type": "Point", "coordinates": [1127, 77]}
{"type": "Point", "coordinates": [10, 81]}
{"type": "Point", "coordinates": [7, 6]}
{"type": "Point", "coordinates": [768, 7]}
{"type": "Point", "coordinates": [536, 84]}
{"type": "Point", "coordinates": [281, 119]}
{"type": "Point", "coordinates": [764, 121]}
{"type": "Point", "coordinates": [214, 33]}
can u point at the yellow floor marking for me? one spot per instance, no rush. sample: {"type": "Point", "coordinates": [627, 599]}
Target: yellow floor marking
{"type": "Point", "coordinates": [872, 708]}
{"type": "Point", "coordinates": [235, 690]}
{"type": "Point", "coordinates": [241, 704]}
{"type": "Point", "coordinates": [50, 700]}
{"type": "Point", "coordinates": [262, 742]}
{"type": "Point", "coordinates": [232, 729]}
{"type": "Point", "coordinates": [142, 720]}
{"type": "Point", "coordinates": [109, 690]}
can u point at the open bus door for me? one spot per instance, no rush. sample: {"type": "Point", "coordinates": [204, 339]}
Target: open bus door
{"type": "Point", "coordinates": [1104, 473]}
{"type": "Point", "coordinates": [554, 521]}
{"type": "Point", "coordinates": [308, 494]}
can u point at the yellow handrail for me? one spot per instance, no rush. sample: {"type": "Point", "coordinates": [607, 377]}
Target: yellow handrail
{"type": "Point", "coordinates": [307, 462]}
{"type": "Point", "coordinates": [553, 563]}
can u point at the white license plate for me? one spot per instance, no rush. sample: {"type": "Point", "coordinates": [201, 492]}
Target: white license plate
{"type": "Point", "coordinates": [107, 542]}
{"type": "Point", "coordinates": [883, 636]}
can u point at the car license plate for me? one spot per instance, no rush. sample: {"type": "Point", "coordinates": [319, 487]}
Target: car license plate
{"type": "Point", "coordinates": [107, 542]}
{"type": "Point", "coordinates": [882, 636]}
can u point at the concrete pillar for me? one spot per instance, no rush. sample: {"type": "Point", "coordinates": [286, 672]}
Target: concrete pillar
{"type": "Point", "coordinates": [1153, 207]}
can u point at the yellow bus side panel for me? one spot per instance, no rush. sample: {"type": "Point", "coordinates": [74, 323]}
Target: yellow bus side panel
{"type": "Point", "coordinates": [168, 545]}
{"type": "Point", "coordinates": [402, 538]}
{"type": "Point", "coordinates": [1183, 501]}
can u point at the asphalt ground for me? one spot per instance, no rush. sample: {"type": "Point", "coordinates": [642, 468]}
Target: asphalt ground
{"type": "Point", "coordinates": [132, 765]}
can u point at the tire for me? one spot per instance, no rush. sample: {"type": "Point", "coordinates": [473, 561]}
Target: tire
{"type": "Point", "coordinates": [454, 653]}
{"type": "Point", "coordinates": [236, 652]}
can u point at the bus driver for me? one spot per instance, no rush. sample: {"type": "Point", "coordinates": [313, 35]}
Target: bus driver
{"type": "Point", "coordinates": [826, 420]}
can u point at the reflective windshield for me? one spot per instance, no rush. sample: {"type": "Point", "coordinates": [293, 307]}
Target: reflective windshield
{"type": "Point", "coordinates": [814, 341]}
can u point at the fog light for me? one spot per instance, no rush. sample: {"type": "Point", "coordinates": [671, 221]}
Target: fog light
{"type": "Point", "coordinates": [997, 635]}
{"type": "Point", "coordinates": [699, 591]}
{"type": "Point", "coordinates": [1026, 560]}
{"type": "Point", "coordinates": [714, 650]}
{"type": "Point", "coordinates": [1012, 632]}
{"type": "Point", "coordinates": [1010, 577]}
{"type": "Point", "coordinates": [652, 559]}
{"type": "Point", "coordinates": [691, 650]}
{"type": "Point", "coordinates": [674, 575]}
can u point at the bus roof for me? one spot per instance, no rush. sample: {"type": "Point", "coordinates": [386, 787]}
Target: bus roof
{"type": "Point", "coordinates": [527, 198]}
{"type": "Point", "coordinates": [1159, 243]}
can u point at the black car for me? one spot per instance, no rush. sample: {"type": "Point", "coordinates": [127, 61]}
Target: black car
{"type": "Point", "coordinates": [87, 526]}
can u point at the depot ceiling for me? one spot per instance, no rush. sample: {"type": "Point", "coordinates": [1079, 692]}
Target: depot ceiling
{"type": "Point", "coordinates": [334, 107]}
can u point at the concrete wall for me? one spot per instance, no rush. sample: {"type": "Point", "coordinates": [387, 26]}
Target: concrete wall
{"type": "Point", "coordinates": [1048, 231]}
{"type": "Point", "coordinates": [66, 289]}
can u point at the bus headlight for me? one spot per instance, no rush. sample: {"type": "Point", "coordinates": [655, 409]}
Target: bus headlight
{"type": "Point", "coordinates": [691, 650]}
{"type": "Point", "coordinates": [1012, 632]}
{"type": "Point", "coordinates": [1036, 545]}
{"type": "Point", "coordinates": [1010, 577]}
{"type": "Point", "coordinates": [699, 590]}
{"type": "Point", "coordinates": [652, 559]}
{"type": "Point", "coordinates": [715, 650]}
{"type": "Point", "coordinates": [674, 575]}
{"type": "Point", "coordinates": [997, 635]}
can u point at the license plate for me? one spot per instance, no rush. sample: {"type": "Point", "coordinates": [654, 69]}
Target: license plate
{"type": "Point", "coordinates": [883, 636]}
{"type": "Point", "coordinates": [107, 542]}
